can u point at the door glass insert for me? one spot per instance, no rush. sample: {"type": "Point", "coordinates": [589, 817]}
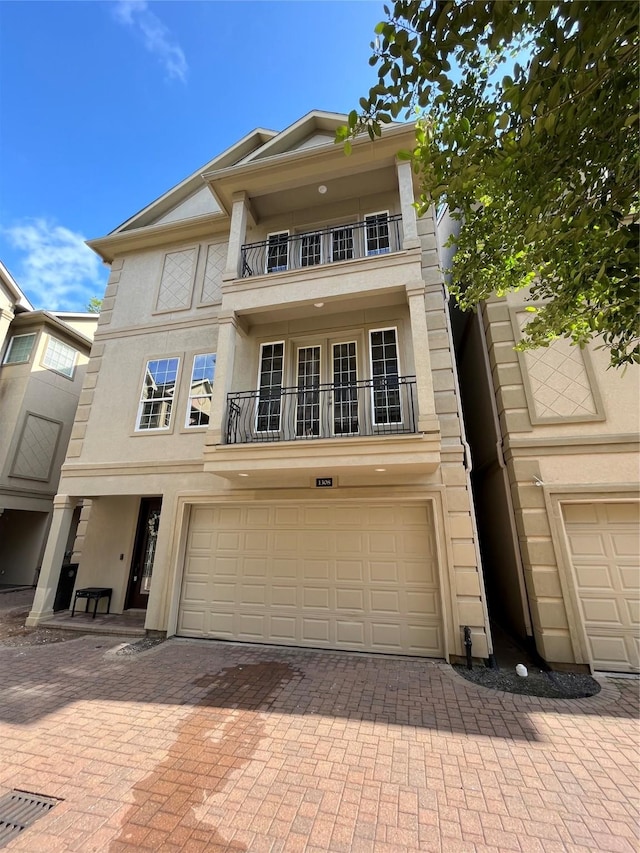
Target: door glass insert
{"type": "Point", "coordinates": [377, 228]}
{"type": "Point", "coordinates": [277, 251]}
{"type": "Point", "coordinates": [153, 522]}
{"type": "Point", "coordinates": [342, 244]}
{"type": "Point", "coordinates": [270, 395]}
{"type": "Point", "coordinates": [345, 390]}
{"type": "Point", "coordinates": [385, 373]}
{"type": "Point", "coordinates": [308, 394]}
{"type": "Point", "coordinates": [311, 250]}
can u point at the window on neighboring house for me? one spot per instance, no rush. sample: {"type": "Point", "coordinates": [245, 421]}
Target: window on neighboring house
{"type": "Point", "coordinates": [377, 233]}
{"type": "Point", "coordinates": [158, 389]}
{"type": "Point", "coordinates": [277, 251]}
{"type": "Point", "coordinates": [270, 382]}
{"type": "Point", "coordinates": [342, 244]}
{"type": "Point", "coordinates": [19, 349]}
{"type": "Point", "coordinates": [199, 406]}
{"type": "Point", "coordinates": [385, 373]}
{"type": "Point", "coordinates": [60, 357]}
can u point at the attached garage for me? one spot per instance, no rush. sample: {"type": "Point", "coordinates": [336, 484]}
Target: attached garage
{"type": "Point", "coordinates": [604, 550]}
{"type": "Point", "coordinates": [325, 575]}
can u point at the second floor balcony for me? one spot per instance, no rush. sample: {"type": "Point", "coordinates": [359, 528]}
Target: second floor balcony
{"type": "Point", "coordinates": [369, 407]}
{"type": "Point", "coordinates": [378, 234]}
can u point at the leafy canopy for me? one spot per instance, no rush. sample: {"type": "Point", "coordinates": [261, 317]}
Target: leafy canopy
{"type": "Point", "coordinates": [539, 164]}
{"type": "Point", "coordinates": [94, 305]}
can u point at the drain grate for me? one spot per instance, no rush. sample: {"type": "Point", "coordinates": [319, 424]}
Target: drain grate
{"type": "Point", "coordinates": [18, 810]}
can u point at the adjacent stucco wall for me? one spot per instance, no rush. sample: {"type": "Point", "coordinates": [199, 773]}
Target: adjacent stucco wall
{"type": "Point", "coordinates": [596, 449]}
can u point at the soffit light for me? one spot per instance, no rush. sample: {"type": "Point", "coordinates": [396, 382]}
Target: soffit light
{"type": "Point", "coordinates": [322, 189]}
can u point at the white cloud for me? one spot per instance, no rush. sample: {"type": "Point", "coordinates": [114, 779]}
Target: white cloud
{"type": "Point", "coordinates": [58, 272]}
{"type": "Point", "coordinates": [156, 36]}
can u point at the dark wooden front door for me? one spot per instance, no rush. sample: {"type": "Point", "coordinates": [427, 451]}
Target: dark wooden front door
{"type": "Point", "coordinates": [144, 552]}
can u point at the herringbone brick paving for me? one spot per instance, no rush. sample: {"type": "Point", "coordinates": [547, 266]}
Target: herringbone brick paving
{"type": "Point", "coordinates": [197, 746]}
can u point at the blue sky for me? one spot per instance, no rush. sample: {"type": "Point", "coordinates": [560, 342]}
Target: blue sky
{"type": "Point", "coordinates": [106, 105]}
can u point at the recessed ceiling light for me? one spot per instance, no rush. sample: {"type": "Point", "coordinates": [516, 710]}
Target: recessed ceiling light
{"type": "Point", "coordinates": [322, 189]}
{"type": "Point", "coordinates": [318, 304]}
{"type": "Point", "coordinates": [380, 469]}
{"type": "Point", "coordinates": [243, 475]}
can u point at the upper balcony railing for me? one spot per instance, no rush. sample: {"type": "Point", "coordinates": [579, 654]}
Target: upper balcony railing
{"type": "Point", "coordinates": [378, 234]}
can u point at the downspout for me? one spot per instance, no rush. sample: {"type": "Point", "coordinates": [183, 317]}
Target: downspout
{"type": "Point", "coordinates": [468, 467]}
{"type": "Point", "coordinates": [526, 611]}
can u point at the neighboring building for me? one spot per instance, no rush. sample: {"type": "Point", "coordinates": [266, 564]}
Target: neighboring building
{"type": "Point", "coordinates": [554, 441]}
{"type": "Point", "coordinates": [269, 445]}
{"type": "Point", "coordinates": [43, 356]}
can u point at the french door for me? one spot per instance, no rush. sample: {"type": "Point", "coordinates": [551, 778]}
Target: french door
{"type": "Point", "coordinates": [324, 388]}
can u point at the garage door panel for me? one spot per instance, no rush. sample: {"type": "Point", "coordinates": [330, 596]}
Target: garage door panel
{"type": "Point", "coordinates": [320, 577]}
{"type": "Point", "coordinates": [604, 549]}
{"type": "Point", "coordinates": [383, 571]}
{"type": "Point", "coordinates": [350, 599]}
{"type": "Point", "coordinates": [349, 570]}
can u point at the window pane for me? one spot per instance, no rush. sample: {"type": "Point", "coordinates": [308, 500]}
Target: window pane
{"type": "Point", "coordinates": [277, 251]}
{"type": "Point", "coordinates": [377, 227]}
{"type": "Point", "coordinates": [157, 393]}
{"type": "Point", "coordinates": [199, 408]}
{"type": "Point", "coordinates": [60, 357]}
{"type": "Point", "coordinates": [19, 349]}
{"type": "Point", "coordinates": [342, 244]}
{"type": "Point", "coordinates": [387, 408]}
{"type": "Point", "coordinates": [269, 403]}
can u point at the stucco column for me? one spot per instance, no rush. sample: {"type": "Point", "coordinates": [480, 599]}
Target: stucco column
{"type": "Point", "coordinates": [409, 219]}
{"type": "Point", "coordinates": [63, 507]}
{"type": "Point", "coordinates": [227, 325]}
{"type": "Point", "coordinates": [427, 419]}
{"type": "Point", "coordinates": [237, 235]}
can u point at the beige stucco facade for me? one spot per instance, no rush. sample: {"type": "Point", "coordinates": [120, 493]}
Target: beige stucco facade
{"type": "Point", "coordinates": [43, 359]}
{"type": "Point", "coordinates": [556, 464]}
{"type": "Point", "coordinates": [248, 545]}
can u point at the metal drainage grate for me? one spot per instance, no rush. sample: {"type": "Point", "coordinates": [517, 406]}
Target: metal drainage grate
{"type": "Point", "coordinates": [18, 810]}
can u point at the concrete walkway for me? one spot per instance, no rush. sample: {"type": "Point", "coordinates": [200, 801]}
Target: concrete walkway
{"type": "Point", "coordinates": [196, 746]}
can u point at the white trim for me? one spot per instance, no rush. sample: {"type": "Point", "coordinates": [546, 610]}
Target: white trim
{"type": "Point", "coordinates": [167, 428]}
{"type": "Point", "coordinates": [367, 253]}
{"type": "Point", "coordinates": [259, 387]}
{"type": "Point", "coordinates": [334, 343]}
{"type": "Point", "coordinates": [43, 362]}
{"type": "Point", "coordinates": [187, 425]}
{"type": "Point", "coordinates": [26, 360]}
{"type": "Point", "coordinates": [266, 251]}
{"type": "Point", "coordinates": [399, 374]}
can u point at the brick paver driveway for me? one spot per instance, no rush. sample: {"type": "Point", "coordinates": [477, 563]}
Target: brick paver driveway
{"type": "Point", "coordinates": [196, 746]}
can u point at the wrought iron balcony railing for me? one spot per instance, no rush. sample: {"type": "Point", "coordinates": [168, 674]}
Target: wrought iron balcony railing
{"type": "Point", "coordinates": [380, 406]}
{"type": "Point", "coordinates": [379, 234]}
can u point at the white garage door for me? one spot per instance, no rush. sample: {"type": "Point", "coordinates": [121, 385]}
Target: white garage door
{"type": "Point", "coordinates": [328, 576]}
{"type": "Point", "coordinates": [604, 547]}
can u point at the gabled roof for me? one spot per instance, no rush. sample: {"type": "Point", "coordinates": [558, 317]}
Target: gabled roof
{"type": "Point", "coordinates": [291, 137]}
{"type": "Point", "coordinates": [21, 301]}
{"type": "Point", "coordinates": [166, 202]}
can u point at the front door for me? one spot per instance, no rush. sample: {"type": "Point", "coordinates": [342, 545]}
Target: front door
{"type": "Point", "coordinates": [143, 553]}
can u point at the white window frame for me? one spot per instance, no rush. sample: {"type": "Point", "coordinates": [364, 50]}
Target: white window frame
{"type": "Point", "coordinates": [199, 396]}
{"type": "Point", "coordinates": [259, 387]}
{"type": "Point", "coordinates": [51, 344]}
{"type": "Point", "coordinates": [168, 398]}
{"type": "Point", "coordinates": [372, 252]}
{"type": "Point", "coordinates": [332, 344]}
{"type": "Point", "coordinates": [7, 356]}
{"type": "Point", "coordinates": [373, 407]}
{"type": "Point", "coordinates": [266, 252]}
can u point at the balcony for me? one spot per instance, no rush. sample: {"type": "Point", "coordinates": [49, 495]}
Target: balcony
{"type": "Point", "coordinates": [347, 430]}
{"type": "Point", "coordinates": [369, 407]}
{"type": "Point", "coordinates": [379, 234]}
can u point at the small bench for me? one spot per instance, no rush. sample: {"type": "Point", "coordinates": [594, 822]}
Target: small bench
{"type": "Point", "coordinates": [92, 593]}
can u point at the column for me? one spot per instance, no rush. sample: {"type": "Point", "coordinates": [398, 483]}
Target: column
{"type": "Point", "coordinates": [227, 336]}
{"type": "Point", "coordinates": [409, 220]}
{"type": "Point", "coordinates": [237, 235]}
{"type": "Point", "coordinates": [63, 507]}
{"type": "Point", "coordinates": [427, 420]}
{"type": "Point", "coordinates": [6, 316]}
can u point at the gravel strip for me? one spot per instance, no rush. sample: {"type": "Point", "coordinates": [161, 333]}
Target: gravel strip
{"type": "Point", "coordinates": [553, 685]}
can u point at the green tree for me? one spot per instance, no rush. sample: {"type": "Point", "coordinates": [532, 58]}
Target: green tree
{"type": "Point", "coordinates": [94, 305]}
{"type": "Point", "coordinates": [527, 127]}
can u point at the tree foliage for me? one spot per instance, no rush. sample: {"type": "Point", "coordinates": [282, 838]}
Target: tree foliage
{"type": "Point", "coordinates": [527, 127]}
{"type": "Point", "coordinates": [94, 305]}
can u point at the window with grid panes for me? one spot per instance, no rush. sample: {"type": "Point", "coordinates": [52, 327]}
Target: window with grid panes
{"type": "Point", "coordinates": [270, 382]}
{"type": "Point", "coordinates": [385, 374]}
{"type": "Point", "coordinates": [60, 357]}
{"type": "Point", "coordinates": [200, 390]}
{"type": "Point", "coordinates": [277, 251]}
{"type": "Point", "coordinates": [158, 389]}
{"type": "Point", "coordinates": [19, 349]}
{"type": "Point", "coordinates": [377, 230]}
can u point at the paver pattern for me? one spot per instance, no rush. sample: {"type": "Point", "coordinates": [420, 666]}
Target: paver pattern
{"type": "Point", "coordinates": [203, 746]}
